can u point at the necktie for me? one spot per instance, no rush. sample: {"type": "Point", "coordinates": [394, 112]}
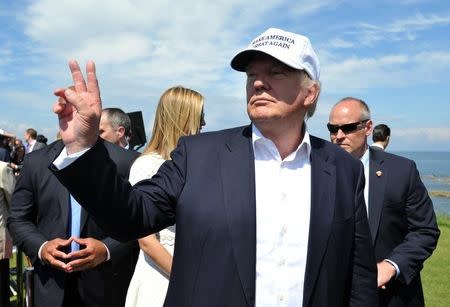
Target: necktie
{"type": "Point", "coordinates": [75, 210]}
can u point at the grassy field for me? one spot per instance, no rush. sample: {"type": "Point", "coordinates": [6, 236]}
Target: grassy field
{"type": "Point", "coordinates": [436, 271]}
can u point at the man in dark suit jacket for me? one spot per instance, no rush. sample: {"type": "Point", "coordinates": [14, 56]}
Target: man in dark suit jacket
{"type": "Point", "coordinates": [234, 246]}
{"type": "Point", "coordinates": [39, 224]}
{"type": "Point", "coordinates": [401, 215]}
{"type": "Point", "coordinates": [381, 136]}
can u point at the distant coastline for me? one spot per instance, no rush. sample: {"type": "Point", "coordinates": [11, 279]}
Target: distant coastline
{"type": "Point", "coordinates": [434, 168]}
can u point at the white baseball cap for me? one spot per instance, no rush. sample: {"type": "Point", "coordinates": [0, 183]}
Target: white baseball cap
{"type": "Point", "coordinates": [292, 49]}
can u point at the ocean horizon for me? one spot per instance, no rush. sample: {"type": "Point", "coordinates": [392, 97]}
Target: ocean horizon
{"type": "Point", "coordinates": [434, 169]}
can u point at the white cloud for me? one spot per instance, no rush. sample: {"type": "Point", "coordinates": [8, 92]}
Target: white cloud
{"type": "Point", "coordinates": [358, 73]}
{"type": "Point", "coordinates": [340, 43]}
{"type": "Point", "coordinates": [417, 22]}
{"type": "Point", "coordinates": [437, 134]}
{"type": "Point", "coordinates": [307, 7]}
{"type": "Point", "coordinates": [138, 42]}
{"type": "Point", "coordinates": [401, 29]}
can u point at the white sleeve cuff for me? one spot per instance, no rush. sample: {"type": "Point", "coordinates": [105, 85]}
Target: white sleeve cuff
{"type": "Point", "coordinates": [40, 250]}
{"type": "Point", "coordinates": [64, 160]}
{"type": "Point", "coordinates": [108, 255]}
{"type": "Point", "coordinates": [397, 269]}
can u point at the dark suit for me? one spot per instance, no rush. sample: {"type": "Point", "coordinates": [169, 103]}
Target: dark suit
{"type": "Point", "coordinates": [208, 188]}
{"type": "Point", "coordinates": [40, 212]}
{"type": "Point", "coordinates": [402, 223]}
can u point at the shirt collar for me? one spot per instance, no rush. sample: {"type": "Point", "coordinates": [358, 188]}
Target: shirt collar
{"type": "Point", "coordinates": [365, 157]}
{"type": "Point", "coordinates": [378, 145]}
{"type": "Point", "coordinates": [257, 137]}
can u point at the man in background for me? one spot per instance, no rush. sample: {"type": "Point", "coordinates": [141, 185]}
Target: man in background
{"type": "Point", "coordinates": [380, 136]}
{"type": "Point", "coordinates": [30, 138]}
{"type": "Point", "coordinates": [115, 127]}
{"type": "Point", "coordinates": [50, 226]}
{"type": "Point", "coordinates": [401, 215]}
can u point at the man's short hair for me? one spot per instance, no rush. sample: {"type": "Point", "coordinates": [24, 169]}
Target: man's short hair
{"type": "Point", "coordinates": [32, 133]}
{"type": "Point", "coordinates": [117, 117]}
{"type": "Point", "coordinates": [380, 133]}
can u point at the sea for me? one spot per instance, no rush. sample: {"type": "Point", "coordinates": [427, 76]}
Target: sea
{"type": "Point", "coordinates": [434, 169]}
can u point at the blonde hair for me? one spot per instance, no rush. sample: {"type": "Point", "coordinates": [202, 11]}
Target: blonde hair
{"type": "Point", "coordinates": [179, 113]}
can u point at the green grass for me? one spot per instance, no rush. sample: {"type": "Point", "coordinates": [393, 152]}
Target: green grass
{"type": "Point", "coordinates": [436, 272]}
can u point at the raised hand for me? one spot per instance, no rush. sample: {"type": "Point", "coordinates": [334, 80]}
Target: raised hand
{"type": "Point", "coordinates": [79, 109]}
{"type": "Point", "coordinates": [93, 254]}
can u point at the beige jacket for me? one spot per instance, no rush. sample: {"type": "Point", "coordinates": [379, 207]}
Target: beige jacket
{"type": "Point", "coordinates": [7, 182]}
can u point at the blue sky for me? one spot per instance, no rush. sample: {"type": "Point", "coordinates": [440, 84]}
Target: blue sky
{"type": "Point", "coordinates": [394, 54]}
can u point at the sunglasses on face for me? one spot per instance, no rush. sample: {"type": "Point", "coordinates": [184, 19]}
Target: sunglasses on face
{"type": "Point", "coordinates": [347, 128]}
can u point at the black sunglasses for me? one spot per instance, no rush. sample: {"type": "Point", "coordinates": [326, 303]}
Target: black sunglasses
{"type": "Point", "coordinates": [347, 128]}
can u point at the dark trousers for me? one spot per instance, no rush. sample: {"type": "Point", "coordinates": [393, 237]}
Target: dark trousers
{"type": "Point", "coordinates": [4, 283]}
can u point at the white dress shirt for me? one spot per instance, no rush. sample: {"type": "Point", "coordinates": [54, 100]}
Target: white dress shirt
{"type": "Point", "coordinates": [283, 200]}
{"type": "Point", "coordinates": [365, 161]}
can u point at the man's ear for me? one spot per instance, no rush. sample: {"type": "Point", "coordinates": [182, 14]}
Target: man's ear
{"type": "Point", "coordinates": [312, 95]}
{"type": "Point", "coordinates": [120, 131]}
{"type": "Point", "coordinates": [369, 127]}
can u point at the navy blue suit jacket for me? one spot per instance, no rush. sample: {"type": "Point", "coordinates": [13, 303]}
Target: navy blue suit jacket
{"type": "Point", "coordinates": [40, 212]}
{"type": "Point", "coordinates": [402, 223]}
{"type": "Point", "coordinates": [208, 189]}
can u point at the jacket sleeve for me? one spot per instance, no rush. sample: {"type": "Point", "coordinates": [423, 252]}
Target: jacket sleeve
{"type": "Point", "coordinates": [123, 211]}
{"type": "Point", "coordinates": [422, 230]}
{"type": "Point", "coordinates": [23, 214]}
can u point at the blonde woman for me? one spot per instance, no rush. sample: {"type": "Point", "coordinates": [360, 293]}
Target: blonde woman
{"type": "Point", "coordinates": [179, 113]}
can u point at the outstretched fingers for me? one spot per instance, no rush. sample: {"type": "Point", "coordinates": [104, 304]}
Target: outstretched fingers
{"type": "Point", "coordinates": [92, 81]}
{"type": "Point", "coordinates": [77, 76]}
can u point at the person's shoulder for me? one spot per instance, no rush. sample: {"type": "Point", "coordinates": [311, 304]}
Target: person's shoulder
{"type": "Point", "coordinates": [330, 151]}
{"type": "Point", "coordinates": [393, 158]}
{"type": "Point", "coordinates": [148, 159]}
{"type": "Point", "coordinates": [122, 152]}
{"type": "Point", "coordinates": [219, 136]}
{"type": "Point", "coordinates": [47, 150]}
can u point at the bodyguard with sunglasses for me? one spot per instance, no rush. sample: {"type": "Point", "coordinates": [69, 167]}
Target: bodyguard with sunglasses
{"type": "Point", "coordinates": [401, 216]}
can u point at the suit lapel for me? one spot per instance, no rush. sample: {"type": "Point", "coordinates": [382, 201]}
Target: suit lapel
{"type": "Point", "coordinates": [60, 190]}
{"type": "Point", "coordinates": [238, 175]}
{"type": "Point", "coordinates": [323, 189]}
{"type": "Point", "coordinates": [83, 221]}
{"type": "Point", "coordinates": [377, 183]}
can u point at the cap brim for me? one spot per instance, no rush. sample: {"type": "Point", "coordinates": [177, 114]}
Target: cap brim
{"type": "Point", "coordinates": [241, 60]}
